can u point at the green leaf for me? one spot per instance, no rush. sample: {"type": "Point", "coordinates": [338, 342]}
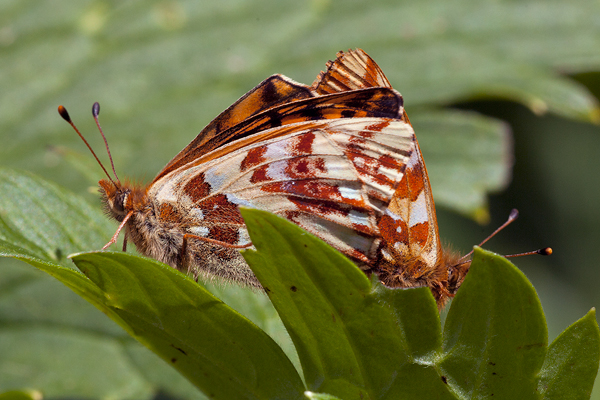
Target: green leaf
{"type": "Point", "coordinates": [217, 349]}
{"type": "Point", "coordinates": [495, 335]}
{"type": "Point", "coordinates": [21, 395]}
{"type": "Point", "coordinates": [355, 338]}
{"type": "Point", "coordinates": [572, 361]}
{"type": "Point", "coordinates": [44, 222]}
{"type": "Point", "coordinates": [320, 396]}
{"type": "Point", "coordinates": [347, 335]}
{"type": "Point", "coordinates": [34, 307]}
{"type": "Point", "coordinates": [359, 339]}
{"type": "Point", "coordinates": [467, 157]}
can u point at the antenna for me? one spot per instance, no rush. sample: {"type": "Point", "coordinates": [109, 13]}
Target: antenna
{"type": "Point", "coordinates": [65, 115]}
{"type": "Point", "coordinates": [514, 214]}
{"type": "Point", "coordinates": [95, 113]}
{"type": "Point", "coordinates": [546, 251]}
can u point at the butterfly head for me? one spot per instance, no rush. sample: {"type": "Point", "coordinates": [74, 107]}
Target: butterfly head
{"type": "Point", "coordinates": [120, 199]}
{"type": "Point", "coordinates": [117, 200]}
{"type": "Point", "coordinates": [456, 275]}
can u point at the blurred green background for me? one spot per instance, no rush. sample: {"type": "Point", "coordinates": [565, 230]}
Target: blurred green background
{"type": "Point", "coordinates": [520, 77]}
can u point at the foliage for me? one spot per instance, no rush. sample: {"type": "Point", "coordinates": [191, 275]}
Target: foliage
{"type": "Point", "coordinates": [354, 337]}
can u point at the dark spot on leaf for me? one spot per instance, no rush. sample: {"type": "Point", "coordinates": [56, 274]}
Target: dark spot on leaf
{"type": "Point", "coordinates": [173, 360]}
{"type": "Point", "coordinates": [294, 289]}
{"type": "Point", "coordinates": [266, 289]}
{"type": "Point", "coordinates": [58, 254]}
{"type": "Point", "coordinates": [179, 349]}
{"type": "Point", "coordinates": [530, 346]}
{"type": "Point", "coordinates": [493, 373]}
{"type": "Point", "coordinates": [444, 379]}
{"type": "Point", "coordinates": [492, 363]}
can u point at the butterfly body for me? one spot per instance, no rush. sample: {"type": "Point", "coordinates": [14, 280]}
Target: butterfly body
{"type": "Point", "coordinates": [339, 158]}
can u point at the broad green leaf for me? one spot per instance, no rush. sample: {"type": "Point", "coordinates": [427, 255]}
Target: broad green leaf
{"type": "Point", "coordinates": [416, 314]}
{"type": "Point", "coordinates": [41, 228]}
{"type": "Point", "coordinates": [317, 327]}
{"type": "Point", "coordinates": [495, 335]}
{"type": "Point", "coordinates": [355, 338]}
{"type": "Point", "coordinates": [217, 349]}
{"type": "Point", "coordinates": [21, 395]}
{"type": "Point", "coordinates": [467, 156]}
{"type": "Point", "coordinates": [29, 303]}
{"type": "Point", "coordinates": [345, 330]}
{"type": "Point", "coordinates": [572, 361]}
{"type": "Point", "coordinates": [359, 339]}
{"type": "Point", "coordinates": [44, 221]}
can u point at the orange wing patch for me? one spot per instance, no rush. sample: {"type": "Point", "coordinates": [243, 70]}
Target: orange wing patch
{"type": "Point", "coordinates": [272, 92]}
{"type": "Point", "coordinates": [409, 225]}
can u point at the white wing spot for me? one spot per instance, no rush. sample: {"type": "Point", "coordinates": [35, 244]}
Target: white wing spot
{"type": "Point", "coordinates": [392, 215]}
{"type": "Point", "coordinates": [358, 218]}
{"type": "Point", "coordinates": [232, 198]}
{"type": "Point", "coordinates": [418, 210]}
{"type": "Point", "coordinates": [390, 173]}
{"type": "Point", "coordinates": [216, 179]}
{"type": "Point", "coordinates": [243, 237]}
{"type": "Point", "coordinates": [197, 214]}
{"type": "Point", "coordinates": [349, 193]}
{"type": "Point", "coordinates": [199, 231]}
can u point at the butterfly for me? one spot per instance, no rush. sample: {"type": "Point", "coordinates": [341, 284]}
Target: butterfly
{"type": "Point", "coordinates": [339, 158]}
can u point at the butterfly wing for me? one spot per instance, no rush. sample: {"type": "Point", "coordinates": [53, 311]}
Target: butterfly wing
{"type": "Point", "coordinates": [278, 94]}
{"type": "Point", "coordinates": [304, 175]}
{"type": "Point", "coordinates": [350, 71]}
{"type": "Point", "coordinates": [409, 225]}
{"type": "Point", "coordinates": [329, 163]}
{"type": "Point", "coordinates": [272, 92]}
{"type": "Point", "coordinates": [372, 102]}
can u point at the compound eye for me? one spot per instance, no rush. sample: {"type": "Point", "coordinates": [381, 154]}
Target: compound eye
{"type": "Point", "coordinates": [120, 200]}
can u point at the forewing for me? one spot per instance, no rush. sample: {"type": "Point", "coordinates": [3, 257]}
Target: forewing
{"type": "Point", "coordinates": [306, 176]}
{"type": "Point", "coordinates": [374, 102]}
{"type": "Point", "coordinates": [409, 225]}
{"type": "Point", "coordinates": [278, 101]}
{"type": "Point", "coordinates": [350, 71]}
{"type": "Point", "coordinates": [272, 92]}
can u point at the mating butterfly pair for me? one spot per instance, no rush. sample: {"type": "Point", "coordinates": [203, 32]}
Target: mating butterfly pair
{"type": "Point", "coordinates": [338, 158]}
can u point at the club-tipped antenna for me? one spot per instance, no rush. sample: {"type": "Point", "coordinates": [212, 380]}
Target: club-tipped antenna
{"type": "Point", "coordinates": [514, 213]}
{"type": "Point", "coordinates": [546, 251]}
{"type": "Point", "coordinates": [65, 115]}
{"type": "Point", "coordinates": [95, 113]}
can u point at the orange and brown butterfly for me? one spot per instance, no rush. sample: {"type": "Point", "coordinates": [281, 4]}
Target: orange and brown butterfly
{"type": "Point", "coordinates": [338, 158]}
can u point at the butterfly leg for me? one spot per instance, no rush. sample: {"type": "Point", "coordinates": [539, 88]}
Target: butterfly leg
{"type": "Point", "coordinates": [125, 242]}
{"type": "Point", "coordinates": [116, 235]}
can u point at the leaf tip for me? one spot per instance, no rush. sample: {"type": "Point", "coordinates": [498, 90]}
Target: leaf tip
{"type": "Point", "coordinates": [594, 115]}
{"type": "Point", "coordinates": [538, 106]}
